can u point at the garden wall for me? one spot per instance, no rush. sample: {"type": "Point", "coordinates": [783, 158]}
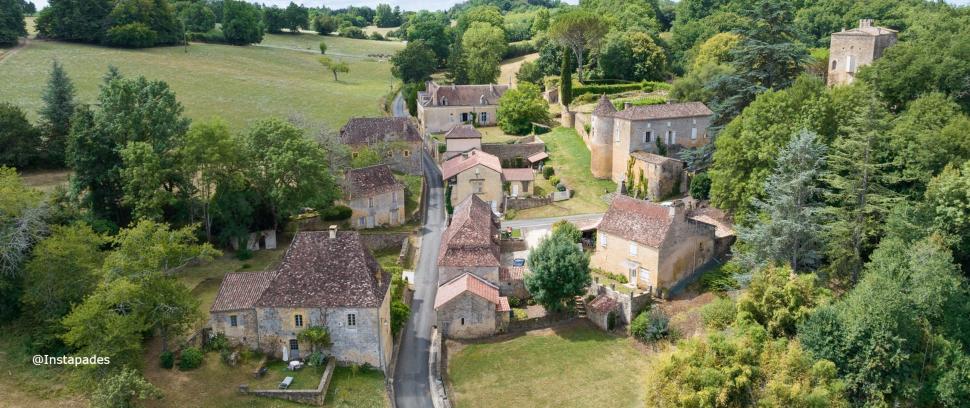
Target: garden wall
{"type": "Point", "coordinates": [311, 397]}
{"type": "Point", "coordinates": [379, 241]}
{"type": "Point", "coordinates": [524, 203]}
{"type": "Point", "coordinates": [630, 304]}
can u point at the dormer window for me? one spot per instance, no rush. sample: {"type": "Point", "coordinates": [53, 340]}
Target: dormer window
{"type": "Point", "coordinates": [481, 100]}
{"type": "Point", "coordinates": [444, 101]}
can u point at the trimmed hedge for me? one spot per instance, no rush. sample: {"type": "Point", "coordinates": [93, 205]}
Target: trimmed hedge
{"type": "Point", "coordinates": [608, 89]}
{"type": "Point", "coordinates": [520, 48]}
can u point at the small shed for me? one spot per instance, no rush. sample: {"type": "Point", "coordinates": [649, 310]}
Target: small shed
{"type": "Point", "coordinates": [602, 311]}
{"type": "Point", "coordinates": [259, 240]}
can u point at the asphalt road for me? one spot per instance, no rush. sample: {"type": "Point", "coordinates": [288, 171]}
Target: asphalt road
{"type": "Point", "coordinates": [411, 386]}
{"type": "Point", "coordinates": [399, 108]}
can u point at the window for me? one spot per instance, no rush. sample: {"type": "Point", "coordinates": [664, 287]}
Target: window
{"type": "Point", "coordinates": [394, 197]}
{"type": "Point", "coordinates": [464, 116]}
{"type": "Point", "coordinates": [603, 240]}
{"type": "Point", "coordinates": [483, 117]}
{"type": "Point", "coordinates": [648, 136]}
{"type": "Point", "coordinates": [633, 249]}
{"type": "Point", "coordinates": [633, 274]}
{"type": "Point", "coordinates": [478, 186]}
{"type": "Point", "coordinates": [370, 202]}
{"type": "Point", "coordinates": [406, 153]}
{"type": "Point", "coordinates": [616, 135]}
{"type": "Point", "coordinates": [361, 221]}
{"type": "Point", "coordinates": [352, 320]}
{"type": "Point", "coordinates": [294, 345]}
{"type": "Point", "coordinates": [835, 63]}
{"type": "Point", "coordinates": [298, 320]}
{"type": "Point", "coordinates": [693, 133]}
{"type": "Point", "coordinates": [644, 275]}
{"type": "Point", "coordinates": [849, 63]}
{"type": "Point", "coordinates": [233, 321]}
{"type": "Point", "coordinates": [462, 321]}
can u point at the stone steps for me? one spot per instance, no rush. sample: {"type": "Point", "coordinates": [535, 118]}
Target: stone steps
{"type": "Point", "coordinates": [580, 306]}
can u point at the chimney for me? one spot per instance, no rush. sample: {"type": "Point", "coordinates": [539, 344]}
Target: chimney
{"type": "Point", "coordinates": [676, 209]}
{"type": "Point", "coordinates": [452, 87]}
{"type": "Point", "coordinates": [865, 23]}
{"type": "Point", "coordinates": [464, 155]}
{"type": "Point", "coordinates": [333, 232]}
{"type": "Point", "coordinates": [491, 87]}
{"type": "Point", "coordinates": [627, 105]}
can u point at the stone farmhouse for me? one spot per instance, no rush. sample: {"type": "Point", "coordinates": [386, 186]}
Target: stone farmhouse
{"type": "Point", "coordinates": [852, 49]}
{"type": "Point", "coordinates": [326, 278]}
{"type": "Point", "coordinates": [657, 246]}
{"type": "Point", "coordinates": [637, 131]}
{"type": "Point", "coordinates": [471, 301]}
{"type": "Point", "coordinates": [441, 107]}
{"type": "Point", "coordinates": [462, 138]}
{"type": "Point", "coordinates": [397, 140]}
{"type": "Point", "coordinates": [375, 196]}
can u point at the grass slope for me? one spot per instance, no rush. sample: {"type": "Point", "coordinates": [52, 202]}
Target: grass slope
{"type": "Point", "coordinates": [572, 366]}
{"type": "Point", "coordinates": [239, 84]}
{"type": "Point", "coordinates": [336, 46]}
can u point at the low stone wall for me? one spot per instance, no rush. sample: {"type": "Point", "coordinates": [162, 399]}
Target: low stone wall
{"type": "Point", "coordinates": [436, 370]}
{"type": "Point", "coordinates": [524, 203]}
{"type": "Point", "coordinates": [535, 323]}
{"type": "Point", "coordinates": [506, 151]}
{"type": "Point", "coordinates": [512, 245]}
{"type": "Point", "coordinates": [379, 241]}
{"type": "Point", "coordinates": [629, 304]}
{"type": "Point", "coordinates": [579, 123]}
{"type": "Point", "coordinates": [311, 397]}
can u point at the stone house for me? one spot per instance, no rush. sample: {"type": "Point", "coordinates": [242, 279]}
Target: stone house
{"type": "Point", "coordinates": [655, 245]}
{"type": "Point", "coordinates": [375, 196]}
{"type": "Point", "coordinates": [462, 138]}
{"type": "Point", "coordinates": [520, 181]}
{"type": "Point", "coordinates": [326, 278]}
{"type": "Point", "coordinates": [664, 175]}
{"type": "Point", "coordinates": [852, 49]}
{"type": "Point", "coordinates": [474, 173]}
{"type": "Point", "coordinates": [397, 140]}
{"type": "Point", "coordinates": [441, 107]}
{"type": "Point", "coordinates": [470, 307]}
{"type": "Point", "coordinates": [616, 135]}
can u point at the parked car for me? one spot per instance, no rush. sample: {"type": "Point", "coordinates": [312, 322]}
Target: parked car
{"type": "Point", "coordinates": [518, 262]}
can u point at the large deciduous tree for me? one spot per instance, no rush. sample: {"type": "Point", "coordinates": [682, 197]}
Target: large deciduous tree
{"type": "Point", "coordinates": [415, 63]}
{"type": "Point", "coordinates": [580, 31]}
{"type": "Point", "coordinates": [926, 137]}
{"type": "Point", "coordinates": [631, 56]}
{"type": "Point", "coordinates": [560, 271]}
{"type": "Point", "coordinates": [482, 48]}
{"type": "Point", "coordinates": [521, 106]}
{"type": "Point", "coordinates": [241, 23]}
{"type": "Point", "coordinates": [22, 224]}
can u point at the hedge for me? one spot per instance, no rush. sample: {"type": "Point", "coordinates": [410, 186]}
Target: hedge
{"type": "Point", "coordinates": [520, 48]}
{"type": "Point", "coordinates": [609, 89]}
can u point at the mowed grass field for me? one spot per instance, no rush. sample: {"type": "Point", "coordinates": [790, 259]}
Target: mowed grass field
{"type": "Point", "coordinates": [569, 366]}
{"type": "Point", "coordinates": [239, 84]}
{"type": "Point", "coordinates": [336, 46]}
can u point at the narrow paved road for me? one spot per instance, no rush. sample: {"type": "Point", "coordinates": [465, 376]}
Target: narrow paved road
{"type": "Point", "coordinates": [411, 386]}
{"type": "Point", "coordinates": [399, 108]}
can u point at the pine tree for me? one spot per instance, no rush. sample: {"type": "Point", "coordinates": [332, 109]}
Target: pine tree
{"type": "Point", "coordinates": [566, 78]}
{"type": "Point", "coordinates": [791, 223]}
{"type": "Point", "coordinates": [56, 114]}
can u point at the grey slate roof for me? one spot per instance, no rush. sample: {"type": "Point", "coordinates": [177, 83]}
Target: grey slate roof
{"type": "Point", "coordinates": [359, 131]}
{"type": "Point", "coordinates": [664, 111]}
{"type": "Point", "coordinates": [370, 181]}
{"type": "Point", "coordinates": [462, 95]}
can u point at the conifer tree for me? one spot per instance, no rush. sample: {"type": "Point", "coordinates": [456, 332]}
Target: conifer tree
{"type": "Point", "coordinates": [56, 114]}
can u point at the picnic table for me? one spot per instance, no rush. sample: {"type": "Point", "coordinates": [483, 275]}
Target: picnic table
{"type": "Point", "coordinates": [286, 383]}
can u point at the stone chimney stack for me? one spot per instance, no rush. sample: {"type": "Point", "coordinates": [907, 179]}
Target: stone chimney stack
{"type": "Point", "coordinates": [677, 211]}
{"type": "Point", "coordinates": [865, 23]}
{"type": "Point", "coordinates": [333, 232]}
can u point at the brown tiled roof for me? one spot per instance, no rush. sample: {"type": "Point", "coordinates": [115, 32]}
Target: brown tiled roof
{"type": "Point", "coordinates": [470, 283]}
{"type": "Point", "coordinates": [603, 304]}
{"type": "Point", "coordinates": [463, 132]}
{"type": "Point", "coordinates": [538, 156]}
{"type": "Point", "coordinates": [650, 157]}
{"type": "Point", "coordinates": [319, 271]}
{"type": "Point", "coordinates": [664, 111]}
{"type": "Point", "coordinates": [637, 220]}
{"type": "Point", "coordinates": [511, 273]}
{"type": "Point", "coordinates": [724, 226]}
{"type": "Point", "coordinates": [359, 131]}
{"type": "Point", "coordinates": [462, 95]}
{"type": "Point", "coordinates": [503, 305]}
{"type": "Point", "coordinates": [505, 151]}
{"type": "Point", "coordinates": [472, 237]}
{"type": "Point", "coordinates": [604, 107]}
{"type": "Point", "coordinates": [370, 181]}
{"type": "Point", "coordinates": [239, 290]}
{"type": "Point", "coordinates": [518, 174]}
{"type": "Point", "coordinates": [467, 160]}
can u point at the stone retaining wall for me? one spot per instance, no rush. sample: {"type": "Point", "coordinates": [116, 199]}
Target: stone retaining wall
{"type": "Point", "coordinates": [512, 245]}
{"type": "Point", "coordinates": [439, 392]}
{"type": "Point", "coordinates": [524, 203]}
{"type": "Point", "coordinates": [629, 304]}
{"type": "Point", "coordinates": [378, 241]}
{"type": "Point", "coordinates": [311, 397]}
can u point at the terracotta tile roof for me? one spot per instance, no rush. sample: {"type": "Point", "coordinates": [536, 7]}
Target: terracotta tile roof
{"type": "Point", "coordinates": [461, 95]}
{"type": "Point", "coordinates": [472, 237]}
{"type": "Point", "coordinates": [604, 107]}
{"type": "Point", "coordinates": [664, 111]}
{"type": "Point", "coordinates": [723, 226]}
{"type": "Point", "coordinates": [319, 271]}
{"type": "Point", "coordinates": [467, 160]}
{"type": "Point", "coordinates": [503, 305]}
{"type": "Point", "coordinates": [359, 131]}
{"type": "Point", "coordinates": [466, 282]}
{"type": "Point", "coordinates": [463, 132]}
{"type": "Point", "coordinates": [239, 290]}
{"type": "Point", "coordinates": [370, 181]}
{"type": "Point", "coordinates": [518, 174]}
{"type": "Point", "coordinates": [511, 273]}
{"type": "Point", "coordinates": [637, 220]}
{"type": "Point", "coordinates": [603, 304]}
{"type": "Point", "coordinates": [538, 156]}
{"type": "Point", "coordinates": [651, 158]}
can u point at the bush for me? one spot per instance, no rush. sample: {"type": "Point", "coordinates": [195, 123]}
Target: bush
{"type": "Point", "coordinates": [316, 359]}
{"type": "Point", "coordinates": [323, 47]}
{"type": "Point", "coordinates": [133, 35]}
{"type": "Point", "coordinates": [337, 213]}
{"type": "Point", "coordinates": [226, 356]}
{"type": "Point", "coordinates": [167, 359]}
{"type": "Point", "coordinates": [217, 343]}
{"type": "Point", "coordinates": [547, 172]}
{"type": "Point", "coordinates": [719, 313]}
{"type": "Point", "coordinates": [213, 36]}
{"type": "Point", "coordinates": [514, 301]}
{"type": "Point", "coordinates": [244, 253]}
{"type": "Point", "coordinates": [700, 186]}
{"type": "Point", "coordinates": [554, 180]}
{"type": "Point", "coordinates": [399, 316]}
{"type": "Point", "coordinates": [376, 36]}
{"type": "Point", "coordinates": [352, 32]}
{"type": "Point", "coordinates": [191, 358]}
{"type": "Point", "coordinates": [519, 48]}
{"type": "Point", "coordinates": [651, 325]}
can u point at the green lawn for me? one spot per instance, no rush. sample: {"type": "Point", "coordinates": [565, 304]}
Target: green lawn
{"type": "Point", "coordinates": [573, 366]}
{"type": "Point", "coordinates": [336, 46]}
{"type": "Point", "coordinates": [494, 134]}
{"type": "Point", "coordinates": [570, 158]}
{"type": "Point", "coordinates": [204, 280]}
{"type": "Point", "coordinates": [365, 389]}
{"type": "Point", "coordinates": [239, 84]}
{"type": "Point", "coordinates": [307, 378]}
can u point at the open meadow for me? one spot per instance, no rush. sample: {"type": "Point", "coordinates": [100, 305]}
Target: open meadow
{"type": "Point", "coordinates": [239, 84]}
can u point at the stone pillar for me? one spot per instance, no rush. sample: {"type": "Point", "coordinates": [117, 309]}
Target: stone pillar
{"type": "Point", "coordinates": [568, 119]}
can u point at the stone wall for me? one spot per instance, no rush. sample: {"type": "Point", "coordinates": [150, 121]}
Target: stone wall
{"type": "Point", "coordinates": [524, 203]}
{"type": "Point", "coordinates": [512, 245]}
{"type": "Point", "coordinates": [312, 397]}
{"type": "Point", "coordinates": [467, 316]}
{"type": "Point", "coordinates": [507, 152]}
{"type": "Point", "coordinates": [383, 240]}
{"type": "Point", "coordinates": [436, 371]}
{"type": "Point", "coordinates": [629, 305]}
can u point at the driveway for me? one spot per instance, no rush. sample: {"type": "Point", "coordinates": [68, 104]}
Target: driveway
{"type": "Point", "coordinates": [411, 386]}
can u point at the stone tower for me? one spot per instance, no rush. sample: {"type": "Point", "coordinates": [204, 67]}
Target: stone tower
{"type": "Point", "coordinates": [856, 48]}
{"type": "Point", "coordinates": [601, 139]}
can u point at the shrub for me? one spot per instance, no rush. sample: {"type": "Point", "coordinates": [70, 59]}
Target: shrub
{"type": "Point", "coordinates": [399, 316]}
{"type": "Point", "coordinates": [191, 358]}
{"type": "Point", "coordinates": [547, 172]}
{"type": "Point", "coordinates": [133, 35]}
{"type": "Point", "coordinates": [514, 301]}
{"type": "Point", "coordinates": [376, 36]}
{"type": "Point", "coordinates": [554, 180]}
{"type": "Point", "coordinates": [217, 343]}
{"type": "Point", "coordinates": [651, 325]}
{"type": "Point", "coordinates": [719, 313]}
{"type": "Point", "coordinates": [352, 32]}
{"type": "Point", "coordinates": [167, 359]}
{"type": "Point", "coordinates": [316, 359]}
{"type": "Point", "coordinates": [226, 356]}
{"type": "Point", "coordinates": [700, 186]}
{"type": "Point", "coordinates": [244, 253]}
{"type": "Point", "coordinates": [519, 48]}
{"type": "Point", "coordinates": [213, 36]}
{"type": "Point", "coordinates": [337, 213]}
{"type": "Point", "coordinates": [323, 47]}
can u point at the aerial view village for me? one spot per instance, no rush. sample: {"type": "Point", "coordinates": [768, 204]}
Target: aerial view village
{"type": "Point", "coordinates": [485, 203]}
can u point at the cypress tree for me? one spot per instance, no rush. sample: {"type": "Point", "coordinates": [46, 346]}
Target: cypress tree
{"type": "Point", "coordinates": [566, 78]}
{"type": "Point", "coordinates": [56, 114]}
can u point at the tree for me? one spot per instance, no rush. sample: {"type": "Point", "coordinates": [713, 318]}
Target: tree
{"type": "Point", "coordinates": [20, 139]}
{"type": "Point", "coordinates": [487, 14]}
{"type": "Point", "coordinates": [430, 27]}
{"type": "Point", "coordinates": [296, 17]}
{"type": "Point", "coordinates": [365, 157]}
{"type": "Point", "coordinates": [947, 206]}
{"type": "Point", "coordinates": [631, 56]}
{"type": "Point", "coordinates": [122, 389]}
{"type": "Point", "coordinates": [74, 20]}
{"type": "Point", "coordinates": [928, 135]}
{"type": "Point", "coordinates": [384, 16]}
{"type": "Point", "coordinates": [716, 50]}
{"type": "Point", "coordinates": [779, 302]}
{"type": "Point", "coordinates": [529, 72]}
{"type": "Point", "coordinates": [521, 106]}
{"type": "Point", "coordinates": [700, 186]}
{"type": "Point", "coordinates": [274, 19]}
{"type": "Point", "coordinates": [324, 24]}
{"type": "Point", "coordinates": [694, 85]}
{"type": "Point", "coordinates": [791, 227]}
{"type": "Point", "coordinates": [317, 336]}
{"type": "Point", "coordinates": [483, 46]}
{"type": "Point", "coordinates": [579, 31]}
{"type": "Point", "coordinates": [415, 63]}
{"type": "Point", "coordinates": [560, 271]}
{"type": "Point", "coordinates": [334, 66]}
{"type": "Point", "coordinates": [540, 22]}
{"type": "Point", "coordinates": [56, 114]}
{"type": "Point", "coordinates": [241, 23]}
{"type": "Point", "coordinates": [210, 154]}
{"type": "Point", "coordinates": [22, 223]}
{"type": "Point", "coordinates": [568, 230]}
{"type": "Point", "coordinates": [106, 324]}
{"type": "Point", "coordinates": [12, 25]}
{"type": "Point", "coordinates": [198, 17]}
{"type": "Point", "coordinates": [142, 23]}
{"type": "Point", "coordinates": [566, 79]}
